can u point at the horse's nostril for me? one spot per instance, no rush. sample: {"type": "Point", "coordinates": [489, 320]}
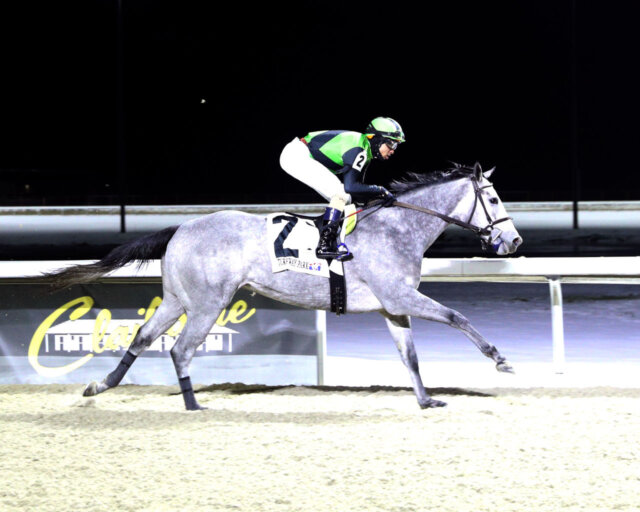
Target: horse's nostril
{"type": "Point", "coordinates": [517, 241]}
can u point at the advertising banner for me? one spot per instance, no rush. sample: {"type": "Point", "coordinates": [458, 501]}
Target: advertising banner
{"type": "Point", "coordinates": [79, 335]}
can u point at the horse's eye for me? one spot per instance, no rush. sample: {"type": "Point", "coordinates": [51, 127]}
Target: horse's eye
{"type": "Point", "coordinates": [493, 200]}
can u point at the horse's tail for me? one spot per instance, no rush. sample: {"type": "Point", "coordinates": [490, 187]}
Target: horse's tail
{"type": "Point", "coordinates": [142, 249]}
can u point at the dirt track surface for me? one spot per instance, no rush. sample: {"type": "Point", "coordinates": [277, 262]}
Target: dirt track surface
{"type": "Point", "coordinates": [259, 448]}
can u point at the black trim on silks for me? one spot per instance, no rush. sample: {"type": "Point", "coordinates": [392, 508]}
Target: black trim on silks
{"type": "Point", "coordinates": [335, 168]}
{"type": "Point", "coordinates": [116, 376]}
{"type": "Point", "coordinates": [320, 140]}
{"type": "Point", "coordinates": [360, 191]}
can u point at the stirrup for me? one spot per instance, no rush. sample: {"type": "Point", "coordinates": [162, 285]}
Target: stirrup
{"type": "Point", "coordinates": [345, 252]}
{"type": "Point", "coordinates": [328, 255]}
{"type": "Point", "coordinates": [341, 253]}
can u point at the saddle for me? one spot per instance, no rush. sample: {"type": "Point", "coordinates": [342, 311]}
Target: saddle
{"type": "Point", "coordinates": [293, 239]}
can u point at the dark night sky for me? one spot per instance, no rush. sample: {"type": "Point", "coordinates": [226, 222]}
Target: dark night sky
{"type": "Point", "coordinates": [487, 81]}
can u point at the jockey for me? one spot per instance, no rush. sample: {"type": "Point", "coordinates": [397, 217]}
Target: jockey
{"type": "Point", "coordinates": [333, 163]}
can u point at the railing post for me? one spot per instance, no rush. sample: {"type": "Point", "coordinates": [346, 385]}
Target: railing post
{"type": "Point", "coordinates": [321, 343]}
{"type": "Point", "coordinates": [557, 324]}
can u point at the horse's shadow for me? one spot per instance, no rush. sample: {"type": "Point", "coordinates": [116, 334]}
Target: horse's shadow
{"type": "Point", "coordinates": [249, 389]}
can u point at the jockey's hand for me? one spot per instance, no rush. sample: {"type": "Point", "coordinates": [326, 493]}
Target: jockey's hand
{"type": "Point", "coordinates": [387, 197]}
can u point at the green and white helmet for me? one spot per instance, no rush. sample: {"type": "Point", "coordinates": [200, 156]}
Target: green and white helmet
{"type": "Point", "coordinates": [386, 128]}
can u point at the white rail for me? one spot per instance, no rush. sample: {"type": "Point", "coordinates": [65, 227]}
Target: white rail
{"type": "Point", "coordinates": [555, 271]}
{"type": "Point", "coordinates": [603, 270]}
{"type": "Point", "coordinates": [106, 219]}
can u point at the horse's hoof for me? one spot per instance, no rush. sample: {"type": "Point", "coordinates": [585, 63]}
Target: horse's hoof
{"type": "Point", "coordinates": [197, 407]}
{"type": "Point", "coordinates": [432, 403]}
{"type": "Point", "coordinates": [91, 389]}
{"type": "Point", "coordinates": [191, 405]}
{"type": "Point", "coordinates": [504, 367]}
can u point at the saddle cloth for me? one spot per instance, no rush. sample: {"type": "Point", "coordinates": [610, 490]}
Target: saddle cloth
{"type": "Point", "coordinates": [293, 240]}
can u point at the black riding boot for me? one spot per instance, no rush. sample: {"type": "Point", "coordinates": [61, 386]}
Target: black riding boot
{"type": "Point", "coordinates": [328, 245]}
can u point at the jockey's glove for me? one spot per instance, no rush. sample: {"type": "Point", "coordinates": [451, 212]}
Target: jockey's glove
{"type": "Point", "coordinates": [387, 197]}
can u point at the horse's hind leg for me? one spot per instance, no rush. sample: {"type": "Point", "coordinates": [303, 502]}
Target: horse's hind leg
{"type": "Point", "coordinates": [400, 329]}
{"type": "Point", "coordinates": [164, 317]}
{"type": "Point", "coordinates": [199, 324]}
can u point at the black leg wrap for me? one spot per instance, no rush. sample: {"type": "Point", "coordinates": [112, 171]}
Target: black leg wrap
{"type": "Point", "coordinates": [495, 355]}
{"type": "Point", "coordinates": [185, 384]}
{"type": "Point", "coordinates": [190, 401]}
{"type": "Point", "coordinates": [114, 378]}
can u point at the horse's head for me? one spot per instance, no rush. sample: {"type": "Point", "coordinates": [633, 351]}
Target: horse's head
{"type": "Point", "coordinates": [497, 231]}
{"type": "Point", "coordinates": [474, 206]}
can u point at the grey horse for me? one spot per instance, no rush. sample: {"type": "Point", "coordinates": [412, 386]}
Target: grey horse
{"type": "Point", "coordinates": [206, 260]}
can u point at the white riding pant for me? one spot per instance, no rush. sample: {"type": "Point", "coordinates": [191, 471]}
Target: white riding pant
{"type": "Point", "coordinates": [297, 161]}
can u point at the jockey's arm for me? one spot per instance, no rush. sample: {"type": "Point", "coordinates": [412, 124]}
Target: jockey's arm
{"type": "Point", "coordinates": [360, 192]}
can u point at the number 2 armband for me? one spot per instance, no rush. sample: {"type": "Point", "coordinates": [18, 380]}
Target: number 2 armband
{"type": "Point", "coordinates": [360, 161]}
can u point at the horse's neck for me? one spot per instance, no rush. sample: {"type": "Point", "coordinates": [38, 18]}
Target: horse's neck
{"type": "Point", "coordinates": [453, 199]}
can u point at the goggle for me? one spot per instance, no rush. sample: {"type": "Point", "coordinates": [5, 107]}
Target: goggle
{"type": "Point", "coordinates": [393, 144]}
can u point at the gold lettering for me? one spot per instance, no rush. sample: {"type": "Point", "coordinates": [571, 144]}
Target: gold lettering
{"type": "Point", "coordinates": [84, 307]}
{"type": "Point", "coordinates": [155, 302]}
{"type": "Point", "coordinates": [121, 337]}
{"type": "Point", "coordinates": [118, 338]}
{"type": "Point", "coordinates": [235, 314]}
{"type": "Point", "coordinates": [99, 330]}
{"type": "Point", "coordinates": [176, 328]}
{"type": "Point", "coordinates": [134, 331]}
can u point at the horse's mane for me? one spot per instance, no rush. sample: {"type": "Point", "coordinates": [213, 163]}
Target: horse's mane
{"type": "Point", "coordinates": [414, 180]}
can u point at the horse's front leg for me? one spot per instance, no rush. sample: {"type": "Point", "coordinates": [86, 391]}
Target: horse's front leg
{"type": "Point", "coordinates": [400, 329]}
{"type": "Point", "coordinates": [411, 302]}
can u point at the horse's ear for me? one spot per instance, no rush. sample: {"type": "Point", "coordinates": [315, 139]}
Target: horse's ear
{"type": "Point", "coordinates": [477, 171]}
{"type": "Point", "coordinates": [489, 173]}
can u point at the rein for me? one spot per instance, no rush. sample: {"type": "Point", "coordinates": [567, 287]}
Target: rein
{"type": "Point", "coordinates": [480, 232]}
{"type": "Point", "coordinates": [446, 218]}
